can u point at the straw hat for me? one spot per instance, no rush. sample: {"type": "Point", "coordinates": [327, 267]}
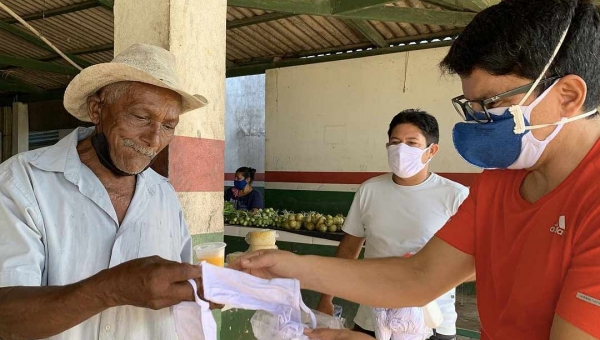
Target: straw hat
{"type": "Point", "coordinates": [140, 62]}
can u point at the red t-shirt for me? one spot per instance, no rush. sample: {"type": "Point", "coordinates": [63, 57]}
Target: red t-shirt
{"type": "Point", "coordinates": [533, 260]}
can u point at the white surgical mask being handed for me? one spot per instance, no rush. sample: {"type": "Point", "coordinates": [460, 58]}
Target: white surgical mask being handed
{"type": "Point", "coordinates": [406, 161]}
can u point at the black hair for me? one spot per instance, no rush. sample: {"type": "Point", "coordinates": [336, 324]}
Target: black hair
{"type": "Point", "coordinates": [248, 172]}
{"type": "Point", "coordinates": [518, 37]}
{"type": "Point", "coordinates": [421, 119]}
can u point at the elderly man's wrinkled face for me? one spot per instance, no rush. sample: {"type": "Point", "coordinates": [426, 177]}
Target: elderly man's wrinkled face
{"type": "Point", "coordinates": [138, 123]}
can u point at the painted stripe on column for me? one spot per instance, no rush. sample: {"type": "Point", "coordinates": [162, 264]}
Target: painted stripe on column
{"type": "Point", "coordinates": [347, 177]}
{"type": "Point", "coordinates": [196, 165]}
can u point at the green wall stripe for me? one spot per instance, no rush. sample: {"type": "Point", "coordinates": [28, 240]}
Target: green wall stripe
{"type": "Point", "coordinates": [203, 238]}
{"type": "Point", "coordinates": [468, 333]}
{"type": "Point", "coordinates": [327, 202]}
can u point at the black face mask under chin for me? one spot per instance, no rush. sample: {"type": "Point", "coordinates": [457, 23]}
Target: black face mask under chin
{"type": "Point", "coordinates": [100, 145]}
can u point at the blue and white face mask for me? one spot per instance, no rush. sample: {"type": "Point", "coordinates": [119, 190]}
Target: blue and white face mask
{"type": "Point", "coordinates": [501, 144]}
{"type": "Point", "coordinates": [506, 142]}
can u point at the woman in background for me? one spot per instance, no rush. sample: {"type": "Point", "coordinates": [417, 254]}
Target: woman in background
{"type": "Point", "coordinates": [242, 195]}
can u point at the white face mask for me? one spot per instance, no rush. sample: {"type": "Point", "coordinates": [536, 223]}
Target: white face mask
{"type": "Point", "coordinates": [531, 147]}
{"type": "Point", "coordinates": [279, 297]}
{"type": "Point", "coordinates": [400, 323]}
{"type": "Point", "coordinates": [405, 161]}
{"type": "Point", "coordinates": [194, 320]}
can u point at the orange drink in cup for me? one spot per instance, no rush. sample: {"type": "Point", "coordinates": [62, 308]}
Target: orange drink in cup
{"type": "Point", "coordinates": [211, 252]}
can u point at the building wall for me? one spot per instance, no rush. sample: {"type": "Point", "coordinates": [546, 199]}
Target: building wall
{"type": "Point", "coordinates": [245, 127]}
{"type": "Point", "coordinates": [326, 125]}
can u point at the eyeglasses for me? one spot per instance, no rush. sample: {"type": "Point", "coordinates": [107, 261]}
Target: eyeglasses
{"type": "Point", "coordinates": [477, 110]}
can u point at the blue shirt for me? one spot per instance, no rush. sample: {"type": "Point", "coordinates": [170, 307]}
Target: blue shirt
{"type": "Point", "coordinates": [58, 226]}
{"type": "Point", "coordinates": [252, 200]}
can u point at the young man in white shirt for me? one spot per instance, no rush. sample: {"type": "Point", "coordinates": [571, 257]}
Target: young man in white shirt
{"type": "Point", "coordinates": [397, 213]}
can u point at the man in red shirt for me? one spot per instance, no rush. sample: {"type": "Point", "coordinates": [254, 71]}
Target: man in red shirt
{"type": "Point", "coordinates": [531, 228]}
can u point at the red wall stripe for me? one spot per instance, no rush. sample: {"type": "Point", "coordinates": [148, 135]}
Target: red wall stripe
{"type": "Point", "coordinates": [320, 177]}
{"type": "Point", "coordinates": [348, 177]}
{"type": "Point", "coordinates": [196, 165]}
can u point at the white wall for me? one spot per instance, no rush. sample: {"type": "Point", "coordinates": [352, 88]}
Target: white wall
{"type": "Point", "coordinates": [334, 116]}
{"type": "Point", "coordinates": [245, 123]}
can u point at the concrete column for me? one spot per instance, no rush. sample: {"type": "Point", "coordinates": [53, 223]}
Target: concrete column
{"type": "Point", "coordinates": [195, 32]}
{"type": "Point", "coordinates": [20, 128]}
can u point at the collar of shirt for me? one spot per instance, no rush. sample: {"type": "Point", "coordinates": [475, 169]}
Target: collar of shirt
{"type": "Point", "coordinates": [63, 157]}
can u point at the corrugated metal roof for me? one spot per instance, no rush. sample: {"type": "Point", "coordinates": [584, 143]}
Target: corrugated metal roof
{"type": "Point", "coordinates": [82, 29]}
{"type": "Point", "coordinates": [43, 80]}
{"type": "Point", "coordinates": [12, 45]}
{"type": "Point", "coordinates": [286, 38]}
{"type": "Point", "coordinates": [24, 7]}
{"type": "Point", "coordinates": [97, 58]}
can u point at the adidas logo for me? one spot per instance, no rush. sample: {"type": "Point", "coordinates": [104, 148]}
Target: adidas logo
{"type": "Point", "coordinates": [559, 228]}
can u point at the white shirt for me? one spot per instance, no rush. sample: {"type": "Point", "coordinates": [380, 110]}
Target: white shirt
{"type": "Point", "coordinates": [397, 220]}
{"type": "Point", "coordinates": [58, 226]}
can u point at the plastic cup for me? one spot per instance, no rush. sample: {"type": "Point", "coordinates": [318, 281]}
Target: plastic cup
{"type": "Point", "coordinates": [337, 311]}
{"type": "Point", "coordinates": [211, 252]}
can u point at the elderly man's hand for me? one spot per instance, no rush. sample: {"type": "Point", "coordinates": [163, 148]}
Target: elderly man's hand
{"type": "Point", "coordinates": [200, 285]}
{"type": "Point", "coordinates": [336, 334]}
{"type": "Point", "coordinates": [150, 282]}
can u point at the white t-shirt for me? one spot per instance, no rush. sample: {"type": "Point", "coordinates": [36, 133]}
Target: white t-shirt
{"type": "Point", "coordinates": [396, 220]}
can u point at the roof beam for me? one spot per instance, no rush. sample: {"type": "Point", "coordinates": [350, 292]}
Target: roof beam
{"type": "Point", "coordinates": [412, 15]}
{"type": "Point", "coordinates": [365, 28]}
{"type": "Point", "coordinates": [260, 68]}
{"type": "Point", "coordinates": [37, 65]}
{"type": "Point", "coordinates": [38, 42]}
{"type": "Point", "coordinates": [387, 13]}
{"type": "Point", "coordinates": [345, 6]}
{"type": "Point", "coordinates": [450, 5]}
{"type": "Point", "coordinates": [56, 11]}
{"type": "Point", "coordinates": [480, 5]}
{"type": "Point", "coordinates": [108, 4]}
{"type": "Point", "coordinates": [310, 7]}
{"type": "Point", "coordinates": [257, 19]}
{"type": "Point", "coordinates": [85, 50]}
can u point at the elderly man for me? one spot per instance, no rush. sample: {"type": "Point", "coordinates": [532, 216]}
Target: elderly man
{"type": "Point", "coordinates": [94, 243]}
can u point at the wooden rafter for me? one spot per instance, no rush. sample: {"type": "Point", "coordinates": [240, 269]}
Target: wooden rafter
{"type": "Point", "coordinates": [386, 13]}
{"type": "Point", "coordinates": [37, 65]}
{"type": "Point", "coordinates": [257, 19]}
{"type": "Point", "coordinates": [365, 28]}
{"type": "Point", "coordinates": [345, 6]}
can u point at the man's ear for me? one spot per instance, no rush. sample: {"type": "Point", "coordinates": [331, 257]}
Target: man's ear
{"type": "Point", "coordinates": [433, 150]}
{"type": "Point", "coordinates": [94, 107]}
{"type": "Point", "coordinates": [572, 90]}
